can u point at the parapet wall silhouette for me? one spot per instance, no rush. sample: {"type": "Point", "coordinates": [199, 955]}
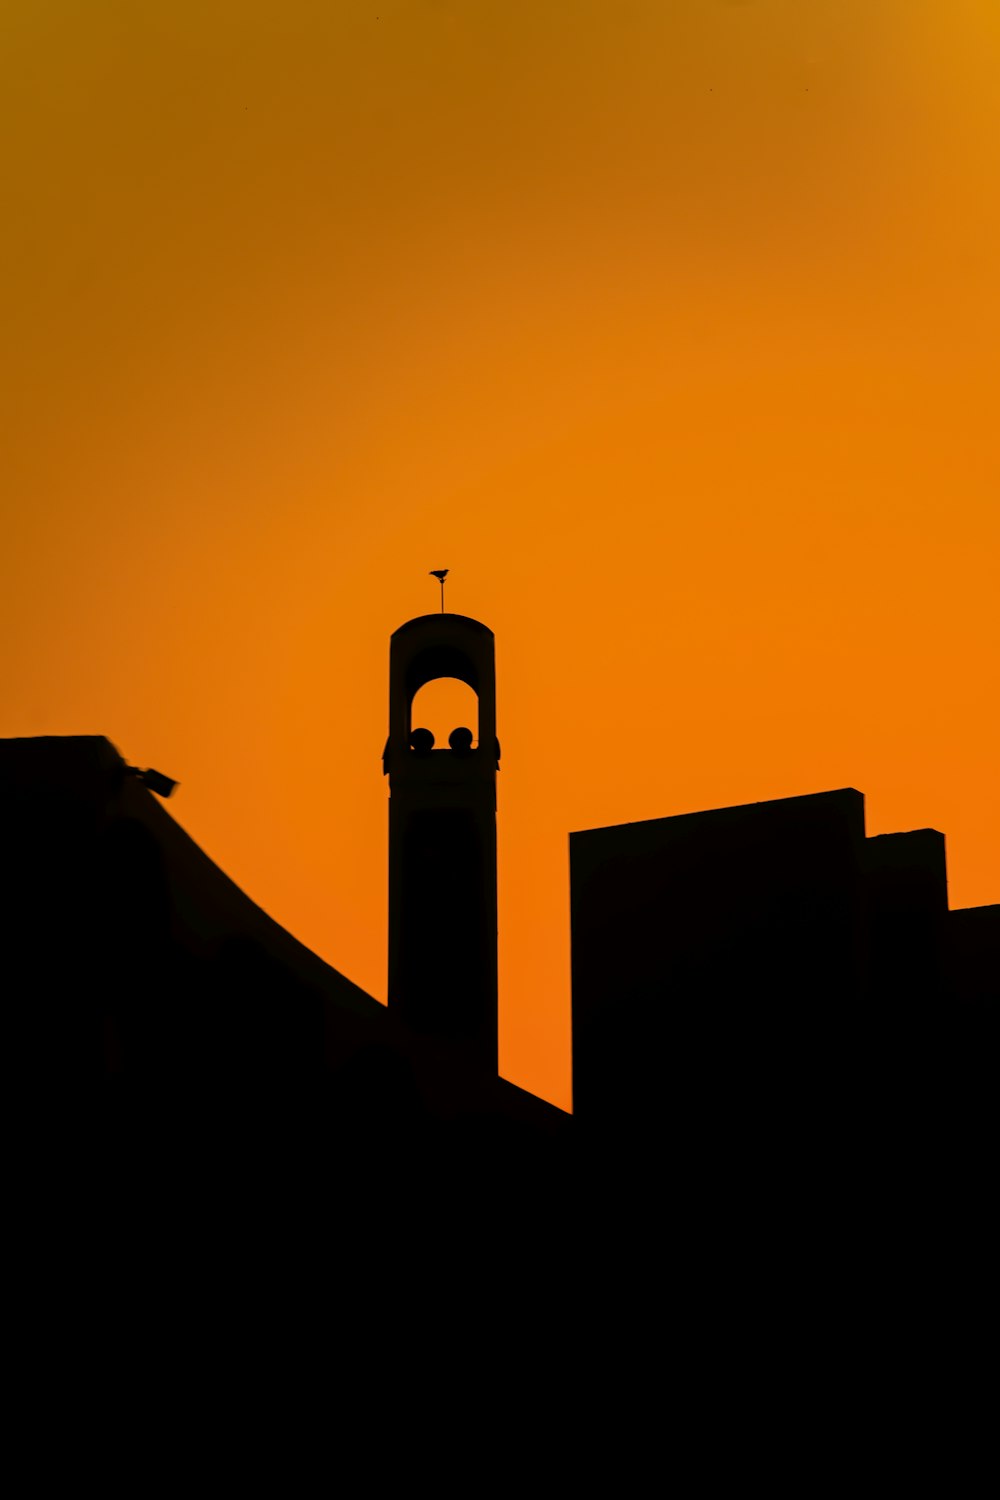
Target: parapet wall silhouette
{"type": "Point", "coordinates": [765, 984]}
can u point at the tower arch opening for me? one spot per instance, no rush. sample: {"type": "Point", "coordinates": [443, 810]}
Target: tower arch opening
{"type": "Point", "coordinates": [443, 706]}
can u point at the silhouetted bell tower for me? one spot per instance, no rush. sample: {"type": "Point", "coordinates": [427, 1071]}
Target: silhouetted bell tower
{"type": "Point", "coordinates": [442, 840]}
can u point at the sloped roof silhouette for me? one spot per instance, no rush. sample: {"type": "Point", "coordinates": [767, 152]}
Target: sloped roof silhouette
{"type": "Point", "coordinates": [148, 922]}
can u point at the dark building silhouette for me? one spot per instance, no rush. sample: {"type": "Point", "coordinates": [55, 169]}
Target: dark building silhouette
{"type": "Point", "coordinates": [772, 993]}
{"type": "Point", "coordinates": [774, 1201]}
{"type": "Point", "coordinates": [133, 964]}
{"type": "Point", "coordinates": [442, 841]}
{"type": "Point", "coordinates": [760, 993]}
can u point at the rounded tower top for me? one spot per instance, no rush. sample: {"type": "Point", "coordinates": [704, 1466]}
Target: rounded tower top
{"type": "Point", "coordinates": [430, 647]}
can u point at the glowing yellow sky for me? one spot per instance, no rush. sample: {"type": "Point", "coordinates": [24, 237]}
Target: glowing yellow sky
{"type": "Point", "coordinates": [670, 326]}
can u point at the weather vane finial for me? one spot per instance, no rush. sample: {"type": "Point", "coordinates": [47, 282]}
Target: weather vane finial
{"type": "Point", "coordinates": [440, 574]}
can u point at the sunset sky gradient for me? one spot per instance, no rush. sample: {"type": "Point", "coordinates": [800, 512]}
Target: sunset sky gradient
{"type": "Point", "coordinates": [671, 327]}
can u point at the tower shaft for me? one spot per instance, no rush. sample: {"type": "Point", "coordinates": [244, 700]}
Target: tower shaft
{"type": "Point", "coordinates": [442, 841]}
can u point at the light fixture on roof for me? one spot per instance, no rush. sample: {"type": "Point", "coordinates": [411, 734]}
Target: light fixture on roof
{"type": "Point", "coordinates": [155, 780]}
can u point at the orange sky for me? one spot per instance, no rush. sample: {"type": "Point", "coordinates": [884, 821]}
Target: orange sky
{"type": "Point", "coordinates": [670, 326]}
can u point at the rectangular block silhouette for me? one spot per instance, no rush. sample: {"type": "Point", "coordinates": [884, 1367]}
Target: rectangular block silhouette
{"type": "Point", "coordinates": [712, 953]}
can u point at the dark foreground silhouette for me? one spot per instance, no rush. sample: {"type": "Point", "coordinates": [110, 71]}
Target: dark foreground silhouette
{"type": "Point", "coordinates": [784, 1146]}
